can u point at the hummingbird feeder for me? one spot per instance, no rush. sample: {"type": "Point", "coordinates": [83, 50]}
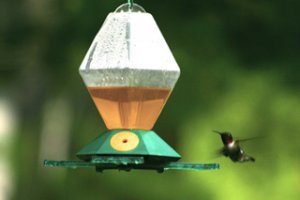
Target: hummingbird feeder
{"type": "Point", "coordinates": [129, 72]}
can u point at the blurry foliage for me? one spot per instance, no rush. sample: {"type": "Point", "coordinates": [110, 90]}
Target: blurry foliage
{"type": "Point", "coordinates": [240, 72]}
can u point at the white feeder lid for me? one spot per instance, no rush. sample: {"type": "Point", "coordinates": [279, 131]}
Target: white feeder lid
{"type": "Point", "coordinates": [129, 50]}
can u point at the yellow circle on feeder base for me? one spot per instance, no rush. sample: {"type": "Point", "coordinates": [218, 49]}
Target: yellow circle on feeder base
{"type": "Point", "coordinates": [124, 141]}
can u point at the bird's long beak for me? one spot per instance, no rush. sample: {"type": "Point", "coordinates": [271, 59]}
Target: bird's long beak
{"type": "Point", "coordinates": [217, 132]}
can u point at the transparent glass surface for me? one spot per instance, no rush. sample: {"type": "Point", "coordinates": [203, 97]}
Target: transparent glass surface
{"type": "Point", "coordinates": [129, 50]}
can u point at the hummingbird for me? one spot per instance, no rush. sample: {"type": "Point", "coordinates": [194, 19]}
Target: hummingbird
{"type": "Point", "coordinates": [232, 148]}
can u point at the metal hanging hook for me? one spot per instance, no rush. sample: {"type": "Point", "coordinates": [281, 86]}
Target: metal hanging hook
{"type": "Point", "coordinates": [130, 2]}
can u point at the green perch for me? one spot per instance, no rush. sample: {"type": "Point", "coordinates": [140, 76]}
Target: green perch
{"type": "Point", "coordinates": [128, 163]}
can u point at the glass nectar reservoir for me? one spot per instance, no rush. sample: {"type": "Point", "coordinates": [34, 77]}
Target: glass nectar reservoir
{"type": "Point", "coordinates": [129, 70]}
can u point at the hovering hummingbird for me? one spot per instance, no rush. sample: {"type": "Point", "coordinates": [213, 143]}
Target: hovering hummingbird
{"type": "Point", "coordinates": [232, 148]}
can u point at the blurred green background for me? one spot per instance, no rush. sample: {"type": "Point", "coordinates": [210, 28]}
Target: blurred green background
{"type": "Point", "coordinates": [240, 72]}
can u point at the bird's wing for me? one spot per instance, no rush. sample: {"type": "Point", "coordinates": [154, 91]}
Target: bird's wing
{"type": "Point", "coordinates": [223, 152]}
{"type": "Point", "coordinates": [248, 139]}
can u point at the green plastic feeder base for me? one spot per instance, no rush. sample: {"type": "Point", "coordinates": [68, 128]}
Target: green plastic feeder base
{"type": "Point", "coordinates": [129, 143]}
{"type": "Point", "coordinates": [129, 149]}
